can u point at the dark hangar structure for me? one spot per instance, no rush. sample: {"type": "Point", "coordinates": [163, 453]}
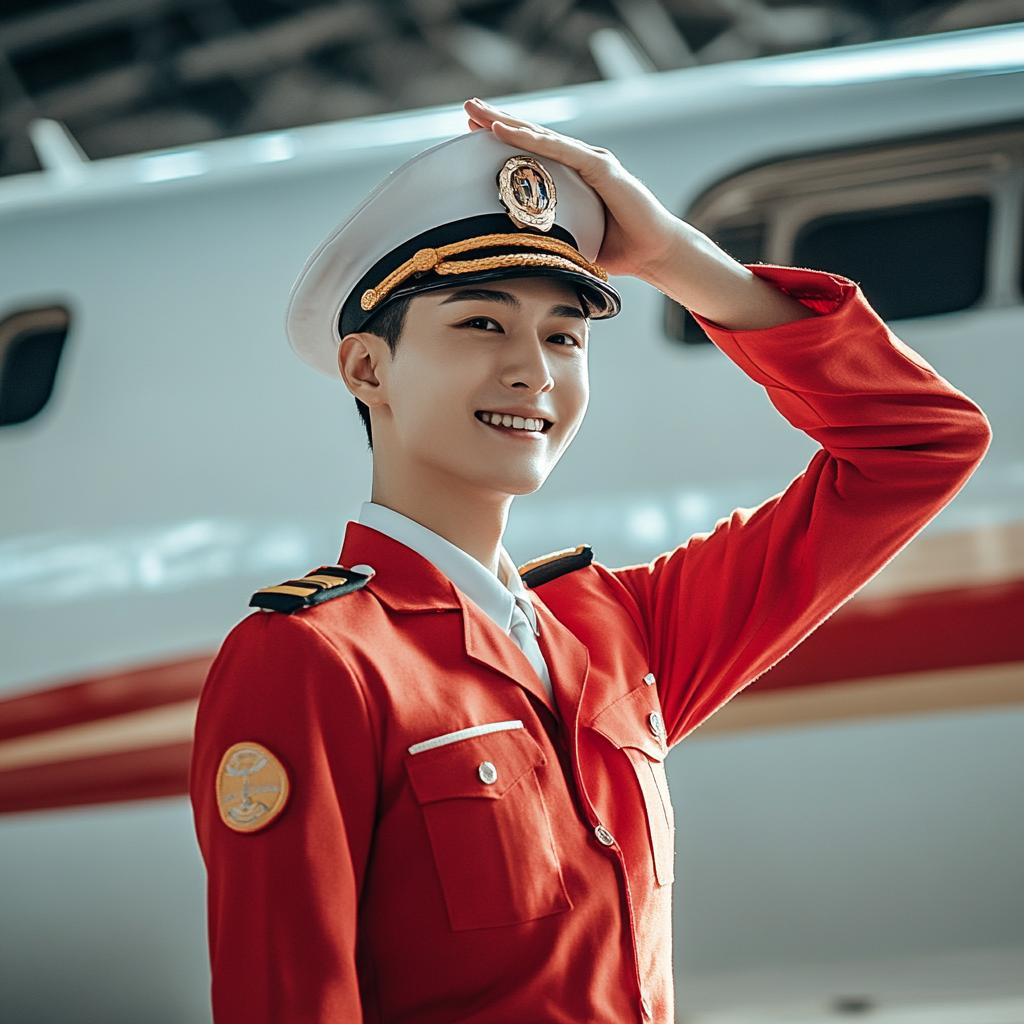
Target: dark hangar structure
{"type": "Point", "coordinates": [133, 75]}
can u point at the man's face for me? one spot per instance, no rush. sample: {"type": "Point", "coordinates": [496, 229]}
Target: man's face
{"type": "Point", "coordinates": [488, 384]}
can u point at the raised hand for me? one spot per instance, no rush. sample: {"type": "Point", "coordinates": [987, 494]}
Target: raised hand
{"type": "Point", "coordinates": [643, 239]}
{"type": "Point", "coordinates": [639, 230]}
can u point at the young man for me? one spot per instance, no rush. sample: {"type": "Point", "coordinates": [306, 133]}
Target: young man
{"type": "Point", "coordinates": [430, 788]}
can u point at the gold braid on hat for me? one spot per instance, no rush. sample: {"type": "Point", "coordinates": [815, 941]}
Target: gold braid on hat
{"type": "Point", "coordinates": [558, 254]}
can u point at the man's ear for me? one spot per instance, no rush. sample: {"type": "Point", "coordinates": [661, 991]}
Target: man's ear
{"type": "Point", "coordinates": [359, 357]}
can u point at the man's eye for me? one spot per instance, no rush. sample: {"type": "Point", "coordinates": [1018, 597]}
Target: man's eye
{"type": "Point", "coordinates": [564, 339]}
{"type": "Point", "coordinates": [482, 323]}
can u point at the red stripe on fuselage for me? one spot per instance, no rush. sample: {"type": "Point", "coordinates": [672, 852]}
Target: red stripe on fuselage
{"type": "Point", "coordinates": [109, 778]}
{"type": "Point", "coordinates": [103, 697]}
{"type": "Point", "coordinates": [910, 633]}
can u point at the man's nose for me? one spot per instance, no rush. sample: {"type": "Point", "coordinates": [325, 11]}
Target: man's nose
{"type": "Point", "coordinates": [527, 366]}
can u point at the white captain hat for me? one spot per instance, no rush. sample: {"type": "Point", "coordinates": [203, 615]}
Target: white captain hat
{"type": "Point", "coordinates": [471, 209]}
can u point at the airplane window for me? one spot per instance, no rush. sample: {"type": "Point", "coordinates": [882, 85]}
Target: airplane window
{"type": "Point", "coordinates": [910, 261]}
{"type": "Point", "coordinates": [910, 220]}
{"type": "Point", "coordinates": [744, 243]}
{"type": "Point", "coordinates": [30, 348]}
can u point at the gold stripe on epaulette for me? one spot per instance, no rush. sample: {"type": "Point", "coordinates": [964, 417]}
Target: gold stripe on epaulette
{"type": "Point", "coordinates": [327, 581]}
{"type": "Point", "coordinates": [285, 588]}
{"type": "Point", "coordinates": [536, 563]}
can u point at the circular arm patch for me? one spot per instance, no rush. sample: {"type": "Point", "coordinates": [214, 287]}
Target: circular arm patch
{"type": "Point", "coordinates": [252, 787]}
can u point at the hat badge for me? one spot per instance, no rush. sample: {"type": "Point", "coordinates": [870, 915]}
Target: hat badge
{"type": "Point", "coordinates": [527, 191]}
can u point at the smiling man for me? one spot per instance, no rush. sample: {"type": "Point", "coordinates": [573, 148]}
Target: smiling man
{"type": "Point", "coordinates": [479, 407]}
{"type": "Point", "coordinates": [430, 787]}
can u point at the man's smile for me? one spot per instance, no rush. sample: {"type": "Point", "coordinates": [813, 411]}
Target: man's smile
{"type": "Point", "coordinates": [514, 421]}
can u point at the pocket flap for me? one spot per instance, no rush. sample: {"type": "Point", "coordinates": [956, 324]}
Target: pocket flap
{"type": "Point", "coordinates": [458, 770]}
{"type": "Point", "coordinates": [635, 721]}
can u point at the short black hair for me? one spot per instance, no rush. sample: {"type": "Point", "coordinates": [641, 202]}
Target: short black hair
{"type": "Point", "coordinates": [387, 324]}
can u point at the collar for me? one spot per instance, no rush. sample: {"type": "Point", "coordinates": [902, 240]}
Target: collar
{"type": "Point", "coordinates": [495, 597]}
{"type": "Point", "coordinates": [403, 580]}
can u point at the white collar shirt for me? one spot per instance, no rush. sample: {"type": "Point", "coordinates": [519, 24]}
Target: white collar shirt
{"type": "Point", "coordinates": [505, 601]}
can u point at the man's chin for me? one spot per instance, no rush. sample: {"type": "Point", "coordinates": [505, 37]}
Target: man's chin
{"type": "Point", "coordinates": [513, 481]}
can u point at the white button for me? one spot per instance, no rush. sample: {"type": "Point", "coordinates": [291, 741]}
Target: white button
{"type": "Point", "coordinates": [649, 679]}
{"type": "Point", "coordinates": [488, 773]}
{"type": "Point", "coordinates": [656, 725]}
{"type": "Point", "coordinates": [604, 837]}
{"type": "Point", "coordinates": [366, 570]}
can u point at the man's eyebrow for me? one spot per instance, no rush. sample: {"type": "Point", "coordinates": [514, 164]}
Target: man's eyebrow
{"type": "Point", "coordinates": [570, 311]}
{"type": "Point", "coordinates": [483, 295]}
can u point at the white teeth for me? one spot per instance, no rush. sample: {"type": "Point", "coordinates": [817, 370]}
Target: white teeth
{"type": "Point", "coordinates": [498, 419]}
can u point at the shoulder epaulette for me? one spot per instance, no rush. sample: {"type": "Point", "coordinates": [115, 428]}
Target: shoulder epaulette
{"type": "Point", "coordinates": [549, 567]}
{"type": "Point", "coordinates": [323, 584]}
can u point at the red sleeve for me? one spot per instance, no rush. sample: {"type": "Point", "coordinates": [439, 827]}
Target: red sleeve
{"type": "Point", "coordinates": [283, 900]}
{"type": "Point", "coordinates": [898, 442]}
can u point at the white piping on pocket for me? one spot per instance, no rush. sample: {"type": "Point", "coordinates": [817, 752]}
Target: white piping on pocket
{"type": "Point", "coordinates": [463, 734]}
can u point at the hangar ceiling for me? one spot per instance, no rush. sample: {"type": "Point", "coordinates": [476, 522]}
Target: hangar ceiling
{"type": "Point", "coordinates": [132, 75]}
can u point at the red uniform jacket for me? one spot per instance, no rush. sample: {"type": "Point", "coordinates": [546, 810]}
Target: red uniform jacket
{"type": "Point", "coordinates": [401, 887]}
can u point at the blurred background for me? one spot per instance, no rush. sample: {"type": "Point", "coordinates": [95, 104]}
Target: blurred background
{"type": "Point", "coordinates": [133, 75]}
{"type": "Point", "coordinates": [850, 830]}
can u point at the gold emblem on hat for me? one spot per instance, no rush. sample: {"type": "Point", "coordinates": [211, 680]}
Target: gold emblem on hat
{"type": "Point", "coordinates": [252, 787]}
{"type": "Point", "coordinates": [527, 191]}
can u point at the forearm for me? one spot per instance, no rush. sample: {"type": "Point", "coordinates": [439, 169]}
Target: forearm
{"type": "Point", "coordinates": [696, 273]}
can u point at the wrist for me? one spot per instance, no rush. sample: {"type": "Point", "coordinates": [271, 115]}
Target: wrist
{"type": "Point", "coordinates": [668, 253]}
{"type": "Point", "coordinates": [683, 260]}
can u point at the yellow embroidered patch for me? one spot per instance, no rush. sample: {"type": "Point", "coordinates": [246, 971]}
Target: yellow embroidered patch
{"type": "Point", "coordinates": [252, 787]}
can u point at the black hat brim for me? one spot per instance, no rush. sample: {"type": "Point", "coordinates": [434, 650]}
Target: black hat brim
{"type": "Point", "coordinates": [601, 299]}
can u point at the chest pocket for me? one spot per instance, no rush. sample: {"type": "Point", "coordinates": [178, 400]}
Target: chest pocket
{"type": "Point", "coordinates": [489, 829]}
{"type": "Point", "coordinates": [634, 725]}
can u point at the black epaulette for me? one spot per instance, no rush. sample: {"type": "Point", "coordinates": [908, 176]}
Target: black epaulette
{"type": "Point", "coordinates": [323, 584]}
{"type": "Point", "coordinates": [543, 570]}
